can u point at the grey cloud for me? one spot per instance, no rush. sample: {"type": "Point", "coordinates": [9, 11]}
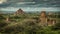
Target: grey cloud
{"type": "Point", "coordinates": [38, 3]}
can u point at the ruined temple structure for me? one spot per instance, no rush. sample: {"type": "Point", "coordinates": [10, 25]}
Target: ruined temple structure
{"type": "Point", "coordinates": [7, 19]}
{"type": "Point", "coordinates": [44, 20]}
{"type": "Point", "coordinates": [18, 12]}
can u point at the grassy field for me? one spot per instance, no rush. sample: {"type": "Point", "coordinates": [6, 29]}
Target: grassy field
{"type": "Point", "coordinates": [26, 24]}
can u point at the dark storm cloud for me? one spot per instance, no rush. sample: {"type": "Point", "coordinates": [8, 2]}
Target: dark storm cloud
{"type": "Point", "coordinates": [15, 2]}
{"type": "Point", "coordinates": [50, 3]}
{"type": "Point", "coordinates": [38, 3]}
{"type": "Point", "coordinates": [30, 4]}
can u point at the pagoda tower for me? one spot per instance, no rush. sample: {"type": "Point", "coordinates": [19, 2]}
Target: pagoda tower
{"type": "Point", "coordinates": [43, 18]}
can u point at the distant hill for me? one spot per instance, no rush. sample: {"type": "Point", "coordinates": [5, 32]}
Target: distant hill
{"type": "Point", "coordinates": [6, 12]}
{"type": "Point", "coordinates": [21, 11]}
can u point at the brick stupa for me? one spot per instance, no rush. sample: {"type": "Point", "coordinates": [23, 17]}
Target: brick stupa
{"type": "Point", "coordinates": [44, 20]}
{"type": "Point", "coordinates": [7, 19]}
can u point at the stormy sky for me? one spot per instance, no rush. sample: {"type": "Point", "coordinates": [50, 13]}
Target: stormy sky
{"type": "Point", "coordinates": [30, 5]}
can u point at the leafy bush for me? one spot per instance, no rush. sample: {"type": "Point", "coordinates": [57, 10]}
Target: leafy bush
{"type": "Point", "coordinates": [56, 26]}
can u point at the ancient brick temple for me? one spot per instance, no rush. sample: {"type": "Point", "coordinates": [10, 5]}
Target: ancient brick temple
{"type": "Point", "coordinates": [44, 20]}
{"type": "Point", "coordinates": [7, 19]}
{"type": "Point", "coordinates": [20, 11]}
